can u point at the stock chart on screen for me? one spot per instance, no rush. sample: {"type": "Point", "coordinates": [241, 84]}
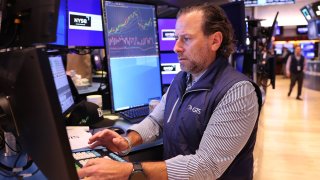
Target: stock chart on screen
{"type": "Point", "coordinates": [133, 58]}
{"type": "Point", "coordinates": [131, 30]}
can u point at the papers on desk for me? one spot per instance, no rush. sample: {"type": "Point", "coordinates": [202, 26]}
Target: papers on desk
{"type": "Point", "coordinates": [78, 136]}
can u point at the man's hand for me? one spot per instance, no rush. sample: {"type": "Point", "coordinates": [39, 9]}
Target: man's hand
{"type": "Point", "coordinates": [105, 169]}
{"type": "Point", "coordinates": [109, 139]}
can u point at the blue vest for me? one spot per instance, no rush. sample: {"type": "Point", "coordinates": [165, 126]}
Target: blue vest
{"type": "Point", "coordinates": [295, 63]}
{"type": "Point", "coordinates": [187, 115]}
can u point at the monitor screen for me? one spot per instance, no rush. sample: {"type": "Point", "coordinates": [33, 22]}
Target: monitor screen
{"type": "Point", "coordinates": [302, 29]}
{"type": "Point", "coordinates": [278, 31]}
{"type": "Point", "coordinates": [169, 66]}
{"type": "Point", "coordinates": [61, 83]}
{"type": "Point", "coordinates": [266, 2]}
{"type": "Point", "coordinates": [166, 30]}
{"type": "Point", "coordinates": [235, 12]}
{"type": "Point", "coordinates": [316, 8]}
{"type": "Point", "coordinates": [289, 46]}
{"type": "Point", "coordinates": [306, 13]}
{"type": "Point", "coordinates": [132, 51]}
{"type": "Point", "coordinates": [37, 111]}
{"type": "Point", "coordinates": [85, 23]}
{"type": "Point", "coordinates": [278, 48]}
{"type": "Point", "coordinates": [62, 25]}
{"type": "Point", "coordinates": [308, 50]}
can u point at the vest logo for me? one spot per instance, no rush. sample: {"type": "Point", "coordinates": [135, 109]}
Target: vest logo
{"type": "Point", "coordinates": [78, 20]}
{"type": "Point", "coordinates": [194, 109]}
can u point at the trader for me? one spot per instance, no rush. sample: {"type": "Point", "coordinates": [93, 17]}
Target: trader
{"type": "Point", "coordinates": [295, 67]}
{"type": "Point", "coordinates": [207, 119]}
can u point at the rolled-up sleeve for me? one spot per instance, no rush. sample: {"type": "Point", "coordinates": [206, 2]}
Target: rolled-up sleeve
{"type": "Point", "coordinates": [151, 127]}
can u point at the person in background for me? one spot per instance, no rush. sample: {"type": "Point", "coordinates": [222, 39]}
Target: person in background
{"type": "Point", "coordinates": [207, 118]}
{"type": "Point", "coordinates": [284, 57]}
{"type": "Point", "coordinates": [295, 68]}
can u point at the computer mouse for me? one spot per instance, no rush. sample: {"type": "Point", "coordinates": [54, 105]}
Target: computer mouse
{"type": "Point", "coordinates": [117, 130]}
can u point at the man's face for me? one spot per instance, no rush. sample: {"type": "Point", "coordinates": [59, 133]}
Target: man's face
{"type": "Point", "coordinates": [298, 50]}
{"type": "Point", "coordinates": [192, 46]}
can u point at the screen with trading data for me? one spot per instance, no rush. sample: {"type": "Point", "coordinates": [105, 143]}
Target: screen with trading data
{"type": "Point", "coordinates": [132, 50]}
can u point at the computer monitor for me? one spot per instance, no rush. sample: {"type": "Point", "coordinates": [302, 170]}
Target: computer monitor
{"type": "Point", "coordinates": [235, 12]}
{"type": "Point", "coordinates": [166, 30]}
{"type": "Point", "coordinates": [62, 25]}
{"type": "Point", "coordinates": [61, 83]}
{"type": "Point", "coordinates": [302, 30]}
{"type": "Point", "coordinates": [28, 80]}
{"type": "Point", "coordinates": [37, 22]}
{"type": "Point", "coordinates": [132, 52]}
{"type": "Point", "coordinates": [170, 66]}
{"type": "Point", "coordinates": [308, 50]}
{"type": "Point", "coordinates": [85, 23]}
{"type": "Point", "coordinates": [307, 12]}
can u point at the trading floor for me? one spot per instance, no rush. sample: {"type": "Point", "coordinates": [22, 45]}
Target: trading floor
{"type": "Point", "coordinates": [288, 143]}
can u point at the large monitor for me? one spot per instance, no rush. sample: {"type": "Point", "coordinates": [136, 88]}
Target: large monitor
{"type": "Point", "coordinates": [28, 79]}
{"type": "Point", "coordinates": [132, 52]}
{"type": "Point", "coordinates": [235, 12]}
{"type": "Point", "coordinates": [27, 22]}
{"type": "Point", "coordinates": [85, 23]}
{"type": "Point", "coordinates": [308, 50]}
{"type": "Point", "coordinates": [170, 66]}
{"type": "Point", "coordinates": [166, 30]}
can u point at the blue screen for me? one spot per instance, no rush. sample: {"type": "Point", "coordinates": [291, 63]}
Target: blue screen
{"type": "Point", "coordinates": [132, 48]}
{"type": "Point", "coordinates": [308, 50]}
{"type": "Point", "coordinates": [61, 26]}
{"type": "Point", "coordinates": [85, 23]}
{"type": "Point", "coordinates": [166, 29]}
{"type": "Point", "coordinates": [169, 67]}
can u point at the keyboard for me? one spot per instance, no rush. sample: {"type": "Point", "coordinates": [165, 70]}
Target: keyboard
{"type": "Point", "coordinates": [82, 157]}
{"type": "Point", "coordinates": [135, 115]}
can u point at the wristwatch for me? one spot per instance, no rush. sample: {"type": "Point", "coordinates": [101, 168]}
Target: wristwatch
{"type": "Point", "coordinates": [137, 172]}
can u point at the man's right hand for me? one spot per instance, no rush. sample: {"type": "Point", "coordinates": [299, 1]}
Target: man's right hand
{"type": "Point", "coordinates": [109, 139]}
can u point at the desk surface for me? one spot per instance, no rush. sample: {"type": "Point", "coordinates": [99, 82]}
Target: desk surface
{"type": "Point", "coordinates": [145, 152]}
{"type": "Point", "coordinates": [90, 89]}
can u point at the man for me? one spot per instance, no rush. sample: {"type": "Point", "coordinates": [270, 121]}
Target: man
{"type": "Point", "coordinates": [207, 118]}
{"type": "Point", "coordinates": [295, 67]}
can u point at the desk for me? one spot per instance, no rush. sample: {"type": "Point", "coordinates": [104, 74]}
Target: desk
{"type": "Point", "coordinates": [146, 152]}
{"type": "Point", "coordinates": [90, 89]}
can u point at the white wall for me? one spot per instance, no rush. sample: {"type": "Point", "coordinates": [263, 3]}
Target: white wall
{"type": "Point", "coordinates": [289, 14]}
